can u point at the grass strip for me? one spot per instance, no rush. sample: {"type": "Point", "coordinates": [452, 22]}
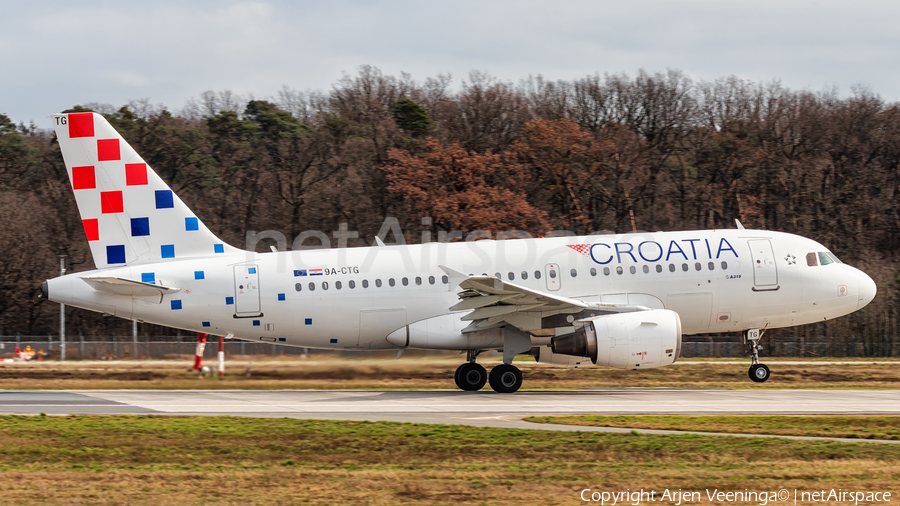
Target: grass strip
{"type": "Point", "coordinates": [231, 460]}
{"type": "Point", "coordinates": [854, 427]}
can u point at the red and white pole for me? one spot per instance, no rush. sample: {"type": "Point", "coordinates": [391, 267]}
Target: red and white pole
{"type": "Point", "coordinates": [198, 355]}
{"type": "Point", "coordinates": [221, 357]}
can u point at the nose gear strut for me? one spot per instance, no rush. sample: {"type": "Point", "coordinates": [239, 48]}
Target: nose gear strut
{"type": "Point", "coordinates": [758, 372]}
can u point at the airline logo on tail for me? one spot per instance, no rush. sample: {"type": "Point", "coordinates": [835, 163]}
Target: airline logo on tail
{"type": "Point", "coordinates": [130, 215]}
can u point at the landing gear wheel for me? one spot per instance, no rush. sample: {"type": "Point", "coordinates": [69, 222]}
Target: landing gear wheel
{"type": "Point", "coordinates": [505, 378]}
{"type": "Point", "coordinates": [759, 373]}
{"type": "Point", "coordinates": [470, 377]}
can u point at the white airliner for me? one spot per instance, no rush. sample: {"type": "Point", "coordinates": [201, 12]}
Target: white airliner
{"type": "Point", "coordinates": [622, 301]}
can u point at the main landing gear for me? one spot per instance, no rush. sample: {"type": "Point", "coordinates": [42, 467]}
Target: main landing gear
{"type": "Point", "coordinates": [504, 378]}
{"type": "Point", "coordinates": [758, 372]}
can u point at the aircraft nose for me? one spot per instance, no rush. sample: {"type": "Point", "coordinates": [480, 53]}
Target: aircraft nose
{"type": "Point", "coordinates": [867, 290]}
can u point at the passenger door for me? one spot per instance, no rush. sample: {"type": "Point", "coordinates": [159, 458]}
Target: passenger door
{"type": "Point", "coordinates": [765, 272]}
{"type": "Point", "coordinates": [246, 291]}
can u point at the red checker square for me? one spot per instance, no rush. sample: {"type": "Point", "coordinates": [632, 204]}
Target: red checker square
{"type": "Point", "coordinates": [92, 229]}
{"type": "Point", "coordinates": [108, 149]}
{"type": "Point", "coordinates": [83, 178]}
{"type": "Point", "coordinates": [111, 202]}
{"type": "Point", "coordinates": [135, 174]}
{"type": "Point", "coordinates": [81, 124]}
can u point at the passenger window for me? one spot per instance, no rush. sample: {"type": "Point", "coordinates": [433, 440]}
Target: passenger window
{"type": "Point", "coordinates": [365, 283]}
{"type": "Point", "coordinates": [646, 269]}
{"type": "Point", "coordinates": [378, 283]}
{"type": "Point", "coordinates": [537, 274]}
{"type": "Point", "coordinates": [697, 266]}
{"type": "Point", "coordinates": [430, 280]}
{"type": "Point", "coordinates": [606, 271]}
{"type": "Point", "coordinates": [552, 273]}
{"type": "Point", "coordinates": [658, 268]}
{"type": "Point", "coordinates": [391, 281]}
{"type": "Point", "coordinates": [418, 281]}
{"type": "Point", "coordinates": [351, 284]}
{"type": "Point", "coordinates": [811, 259]}
{"type": "Point", "coordinates": [405, 281]}
{"type": "Point", "coordinates": [312, 287]}
{"type": "Point", "coordinates": [324, 285]}
{"type": "Point", "coordinates": [337, 285]}
{"type": "Point", "coordinates": [684, 267]}
{"type": "Point", "coordinates": [298, 287]}
{"type": "Point", "coordinates": [497, 275]}
{"type": "Point", "coordinates": [671, 267]}
{"type": "Point", "coordinates": [632, 269]}
{"type": "Point", "coordinates": [445, 280]}
{"type": "Point", "coordinates": [824, 259]}
{"type": "Point", "coordinates": [573, 272]}
{"type": "Point", "coordinates": [619, 270]}
{"type": "Point", "coordinates": [524, 275]}
{"type": "Point", "coordinates": [593, 271]}
{"type": "Point", "coordinates": [712, 266]}
{"type": "Point", "coordinates": [511, 276]}
{"type": "Point", "coordinates": [724, 265]}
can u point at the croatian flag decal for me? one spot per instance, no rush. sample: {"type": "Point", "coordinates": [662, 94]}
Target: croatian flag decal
{"type": "Point", "coordinates": [315, 272]}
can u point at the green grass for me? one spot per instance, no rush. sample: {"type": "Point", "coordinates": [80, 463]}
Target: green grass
{"type": "Point", "coordinates": [864, 427]}
{"type": "Point", "coordinates": [231, 460]}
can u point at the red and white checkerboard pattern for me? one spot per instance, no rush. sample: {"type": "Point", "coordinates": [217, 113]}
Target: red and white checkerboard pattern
{"type": "Point", "coordinates": [130, 215]}
{"type": "Point", "coordinates": [584, 249]}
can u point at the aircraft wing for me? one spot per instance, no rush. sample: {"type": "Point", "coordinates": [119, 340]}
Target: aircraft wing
{"type": "Point", "coordinates": [494, 302]}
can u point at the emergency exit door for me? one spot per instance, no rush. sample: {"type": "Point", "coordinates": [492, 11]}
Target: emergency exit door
{"type": "Point", "coordinates": [553, 276]}
{"type": "Point", "coordinates": [246, 291]}
{"type": "Point", "coordinates": [765, 273]}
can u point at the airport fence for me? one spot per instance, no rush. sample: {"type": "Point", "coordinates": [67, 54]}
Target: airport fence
{"type": "Point", "coordinates": [170, 347]}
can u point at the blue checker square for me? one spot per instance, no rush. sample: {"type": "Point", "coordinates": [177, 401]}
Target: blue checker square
{"type": "Point", "coordinates": [148, 277]}
{"type": "Point", "coordinates": [164, 199]}
{"type": "Point", "coordinates": [282, 339]}
{"type": "Point", "coordinates": [280, 296]}
{"type": "Point", "coordinates": [176, 304]}
{"type": "Point", "coordinates": [140, 226]}
{"type": "Point", "coordinates": [219, 248]}
{"type": "Point", "coordinates": [199, 275]}
{"type": "Point", "coordinates": [252, 270]}
{"type": "Point", "coordinates": [115, 254]}
{"type": "Point", "coordinates": [167, 251]}
{"type": "Point", "coordinates": [206, 324]}
{"type": "Point", "coordinates": [256, 323]}
{"type": "Point", "coordinates": [308, 321]}
{"type": "Point", "coordinates": [229, 301]}
{"type": "Point", "coordinates": [333, 341]}
{"type": "Point", "coordinates": [191, 224]}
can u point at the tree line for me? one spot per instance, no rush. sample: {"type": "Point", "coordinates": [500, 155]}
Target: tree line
{"type": "Point", "coordinates": [653, 151]}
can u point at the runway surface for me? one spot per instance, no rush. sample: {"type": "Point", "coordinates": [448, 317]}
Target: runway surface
{"type": "Point", "coordinates": [483, 408]}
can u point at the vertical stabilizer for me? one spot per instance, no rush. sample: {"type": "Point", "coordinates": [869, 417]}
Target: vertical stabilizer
{"type": "Point", "coordinates": [130, 215]}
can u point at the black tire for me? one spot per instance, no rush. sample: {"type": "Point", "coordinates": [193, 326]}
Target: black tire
{"type": "Point", "coordinates": [759, 373]}
{"type": "Point", "coordinates": [470, 377]}
{"type": "Point", "coordinates": [505, 379]}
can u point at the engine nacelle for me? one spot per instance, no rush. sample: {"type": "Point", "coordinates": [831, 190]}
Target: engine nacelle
{"type": "Point", "coordinates": [638, 340]}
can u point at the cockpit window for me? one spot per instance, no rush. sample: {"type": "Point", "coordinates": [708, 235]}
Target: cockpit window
{"type": "Point", "coordinates": [833, 257]}
{"type": "Point", "coordinates": [824, 259]}
{"type": "Point", "coordinates": [811, 259]}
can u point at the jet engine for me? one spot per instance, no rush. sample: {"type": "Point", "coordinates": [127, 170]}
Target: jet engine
{"type": "Point", "coordinates": [638, 340]}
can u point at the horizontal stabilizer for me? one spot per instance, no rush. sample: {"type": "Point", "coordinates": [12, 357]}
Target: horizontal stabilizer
{"type": "Point", "coordinates": [122, 286]}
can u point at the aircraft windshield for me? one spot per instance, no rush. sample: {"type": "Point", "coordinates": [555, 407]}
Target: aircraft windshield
{"type": "Point", "coordinates": [825, 258]}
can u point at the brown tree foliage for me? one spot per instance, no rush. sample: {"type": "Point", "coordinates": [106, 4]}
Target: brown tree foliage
{"type": "Point", "coordinates": [653, 151]}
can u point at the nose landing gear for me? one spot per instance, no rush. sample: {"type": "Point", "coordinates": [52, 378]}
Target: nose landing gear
{"type": "Point", "coordinates": [758, 372]}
